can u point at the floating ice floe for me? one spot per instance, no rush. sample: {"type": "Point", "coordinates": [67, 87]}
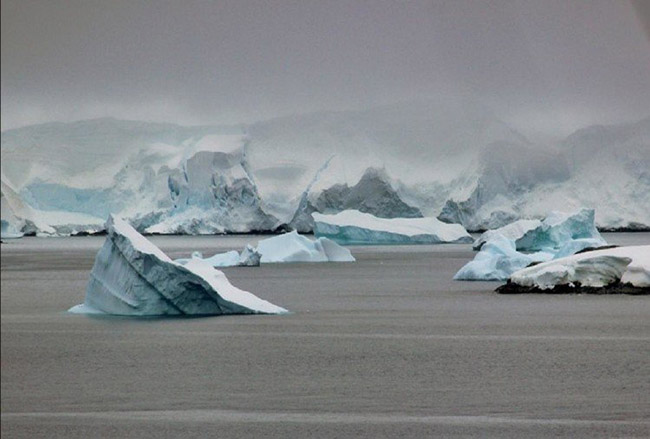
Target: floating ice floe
{"type": "Point", "coordinates": [133, 277]}
{"type": "Point", "coordinates": [354, 227]}
{"type": "Point", "coordinates": [621, 269]}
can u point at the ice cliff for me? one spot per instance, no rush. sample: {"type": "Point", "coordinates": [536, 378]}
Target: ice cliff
{"type": "Point", "coordinates": [449, 158]}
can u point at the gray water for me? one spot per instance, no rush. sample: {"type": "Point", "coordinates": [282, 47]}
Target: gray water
{"type": "Point", "coordinates": [387, 346]}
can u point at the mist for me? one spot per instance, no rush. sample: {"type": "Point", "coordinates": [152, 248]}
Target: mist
{"type": "Point", "coordinates": [546, 68]}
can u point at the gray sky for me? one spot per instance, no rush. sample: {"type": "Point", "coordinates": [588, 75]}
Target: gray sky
{"type": "Point", "coordinates": [546, 66]}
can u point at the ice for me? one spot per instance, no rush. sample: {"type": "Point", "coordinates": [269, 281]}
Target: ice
{"type": "Point", "coordinates": [354, 227]}
{"type": "Point", "coordinates": [591, 269]}
{"type": "Point", "coordinates": [249, 257]}
{"type": "Point", "coordinates": [560, 228]}
{"type": "Point", "coordinates": [513, 231]}
{"type": "Point", "coordinates": [510, 248]}
{"type": "Point", "coordinates": [133, 277]}
{"type": "Point", "coordinates": [450, 158]}
{"type": "Point", "coordinates": [292, 247]}
{"type": "Point", "coordinates": [288, 247]}
{"type": "Point", "coordinates": [497, 260]}
{"type": "Point", "coordinates": [9, 231]}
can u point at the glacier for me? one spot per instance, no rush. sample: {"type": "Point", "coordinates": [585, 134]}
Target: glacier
{"type": "Point", "coordinates": [627, 269]}
{"type": "Point", "coordinates": [354, 227]}
{"type": "Point", "coordinates": [448, 158]}
{"type": "Point", "coordinates": [133, 277]}
{"type": "Point", "coordinates": [521, 243]}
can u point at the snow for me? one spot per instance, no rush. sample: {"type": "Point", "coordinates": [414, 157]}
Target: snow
{"type": "Point", "coordinates": [560, 228]}
{"type": "Point", "coordinates": [513, 231]}
{"type": "Point", "coordinates": [513, 247]}
{"type": "Point", "coordinates": [354, 227]}
{"type": "Point", "coordinates": [592, 269]}
{"type": "Point", "coordinates": [133, 277]}
{"type": "Point", "coordinates": [450, 158]}
{"type": "Point", "coordinates": [497, 260]}
{"type": "Point", "coordinates": [292, 247]}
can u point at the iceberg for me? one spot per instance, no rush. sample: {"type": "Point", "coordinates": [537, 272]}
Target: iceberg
{"type": "Point", "coordinates": [292, 247]}
{"type": "Point", "coordinates": [513, 231]}
{"type": "Point", "coordinates": [249, 257]}
{"type": "Point", "coordinates": [354, 227]}
{"type": "Point", "coordinates": [620, 269]}
{"type": "Point", "coordinates": [133, 277]}
{"type": "Point", "coordinates": [559, 228]}
{"type": "Point", "coordinates": [521, 243]}
{"type": "Point", "coordinates": [9, 231]}
{"type": "Point", "coordinates": [497, 260]}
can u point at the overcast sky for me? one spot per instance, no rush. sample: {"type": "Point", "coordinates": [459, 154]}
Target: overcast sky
{"type": "Point", "coordinates": [545, 66]}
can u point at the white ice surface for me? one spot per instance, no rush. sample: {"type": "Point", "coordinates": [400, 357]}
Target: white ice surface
{"type": "Point", "coordinates": [354, 227]}
{"type": "Point", "coordinates": [513, 231]}
{"type": "Point", "coordinates": [515, 246]}
{"type": "Point", "coordinates": [595, 269]}
{"type": "Point", "coordinates": [497, 260]}
{"type": "Point", "coordinates": [131, 276]}
{"type": "Point", "coordinates": [292, 247]}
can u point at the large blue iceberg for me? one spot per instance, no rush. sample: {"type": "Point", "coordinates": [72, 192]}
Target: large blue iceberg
{"type": "Point", "coordinates": [515, 246]}
{"type": "Point", "coordinates": [133, 277]}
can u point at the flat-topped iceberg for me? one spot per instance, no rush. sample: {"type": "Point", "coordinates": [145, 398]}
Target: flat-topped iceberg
{"type": "Point", "coordinates": [497, 260]}
{"type": "Point", "coordinates": [133, 277]}
{"type": "Point", "coordinates": [354, 227]}
{"type": "Point", "coordinates": [615, 270]}
{"type": "Point", "coordinates": [521, 243]}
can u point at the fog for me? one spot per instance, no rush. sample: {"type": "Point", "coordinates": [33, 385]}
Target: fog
{"type": "Point", "coordinates": [547, 68]}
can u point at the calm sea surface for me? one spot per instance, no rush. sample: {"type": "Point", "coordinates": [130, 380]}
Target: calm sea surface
{"type": "Point", "coordinates": [384, 347]}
